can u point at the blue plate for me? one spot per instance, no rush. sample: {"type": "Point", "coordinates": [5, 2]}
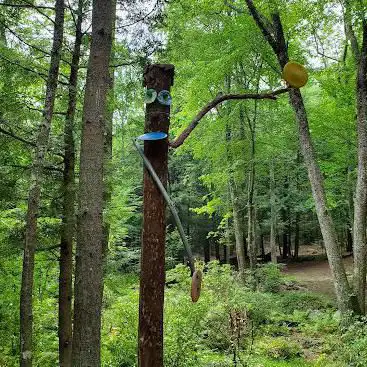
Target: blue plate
{"type": "Point", "coordinates": [156, 135]}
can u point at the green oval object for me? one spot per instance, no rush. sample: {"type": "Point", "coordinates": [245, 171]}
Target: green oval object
{"type": "Point", "coordinates": [295, 74]}
{"type": "Point", "coordinates": [150, 96]}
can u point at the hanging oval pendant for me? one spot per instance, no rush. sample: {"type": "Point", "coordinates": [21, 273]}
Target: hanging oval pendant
{"type": "Point", "coordinates": [197, 278]}
{"type": "Point", "coordinates": [164, 97]}
{"type": "Point", "coordinates": [295, 74]}
{"type": "Point", "coordinates": [150, 96]}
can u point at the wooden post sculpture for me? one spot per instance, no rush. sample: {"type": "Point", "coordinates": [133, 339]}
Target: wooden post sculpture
{"type": "Point", "coordinates": [152, 278]}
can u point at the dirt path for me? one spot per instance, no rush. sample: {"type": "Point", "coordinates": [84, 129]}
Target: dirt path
{"type": "Point", "coordinates": [316, 275]}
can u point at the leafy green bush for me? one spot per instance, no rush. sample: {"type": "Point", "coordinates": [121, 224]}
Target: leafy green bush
{"type": "Point", "coordinates": [351, 345]}
{"type": "Point", "coordinates": [269, 278]}
{"type": "Point", "coordinates": [279, 348]}
{"type": "Point", "coordinates": [294, 300]}
{"type": "Point", "coordinates": [120, 321]}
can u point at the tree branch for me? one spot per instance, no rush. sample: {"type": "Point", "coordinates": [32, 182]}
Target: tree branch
{"type": "Point", "coordinates": [40, 74]}
{"type": "Point", "coordinates": [22, 140]}
{"type": "Point", "coordinates": [233, 7]}
{"type": "Point", "coordinates": [54, 247]}
{"type": "Point", "coordinates": [349, 32]}
{"type": "Point", "coordinates": [141, 19]}
{"type": "Point", "coordinates": [27, 5]}
{"type": "Point", "coordinates": [217, 100]}
{"type": "Point", "coordinates": [261, 22]}
{"type": "Point", "coordinates": [16, 137]}
{"type": "Point", "coordinates": [39, 49]}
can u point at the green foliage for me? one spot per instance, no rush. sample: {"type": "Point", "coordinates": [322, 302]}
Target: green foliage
{"type": "Point", "coordinates": [279, 348]}
{"type": "Point", "coordinates": [269, 278]}
{"type": "Point", "coordinates": [350, 347]}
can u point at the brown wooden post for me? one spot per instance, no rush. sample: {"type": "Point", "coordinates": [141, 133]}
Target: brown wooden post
{"type": "Point", "coordinates": [152, 276]}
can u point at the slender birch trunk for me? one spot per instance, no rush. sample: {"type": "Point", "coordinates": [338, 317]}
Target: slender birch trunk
{"type": "Point", "coordinates": [251, 234]}
{"type": "Point", "coordinates": [26, 296]}
{"type": "Point", "coordinates": [273, 216]}
{"type": "Point", "coordinates": [238, 228]}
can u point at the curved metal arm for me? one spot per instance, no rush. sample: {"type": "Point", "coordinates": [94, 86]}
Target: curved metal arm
{"type": "Point", "coordinates": [170, 203]}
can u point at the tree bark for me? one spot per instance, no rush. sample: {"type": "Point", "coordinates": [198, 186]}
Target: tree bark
{"type": "Point", "coordinates": [236, 210]}
{"type": "Point", "coordinates": [68, 218]}
{"type": "Point", "coordinates": [217, 251]}
{"type": "Point", "coordinates": [206, 251]}
{"type": "Point", "coordinates": [26, 297]}
{"type": "Point", "coordinates": [108, 143]}
{"type": "Point", "coordinates": [238, 228]}
{"type": "Point", "coordinates": [296, 238]}
{"type": "Point", "coordinates": [275, 37]}
{"type": "Point", "coordinates": [152, 276]}
{"type": "Point", "coordinates": [273, 216]}
{"type": "Point", "coordinates": [360, 200]}
{"type": "Point", "coordinates": [343, 291]}
{"type": "Point", "coordinates": [251, 237]}
{"type": "Point", "coordinates": [89, 252]}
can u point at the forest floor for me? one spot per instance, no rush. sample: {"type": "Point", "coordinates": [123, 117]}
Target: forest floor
{"type": "Point", "coordinates": [315, 275]}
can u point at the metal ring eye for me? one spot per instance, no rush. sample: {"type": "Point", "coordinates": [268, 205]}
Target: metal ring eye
{"type": "Point", "coordinates": [150, 96]}
{"type": "Point", "coordinates": [164, 97]}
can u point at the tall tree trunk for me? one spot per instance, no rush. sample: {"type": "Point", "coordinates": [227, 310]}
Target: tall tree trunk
{"type": "Point", "coordinates": [214, 239]}
{"type": "Point", "coordinates": [262, 246]}
{"type": "Point", "coordinates": [296, 237]}
{"type": "Point", "coordinates": [343, 291]}
{"type": "Point", "coordinates": [217, 251]}
{"type": "Point", "coordinates": [227, 245]}
{"type": "Point", "coordinates": [289, 230]}
{"type": "Point", "coordinates": [26, 296]}
{"type": "Point", "coordinates": [251, 210]}
{"type": "Point", "coordinates": [350, 209]}
{"type": "Point", "coordinates": [297, 214]}
{"type": "Point", "coordinates": [360, 201]}
{"type": "Point", "coordinates": [108, 144]}
{"type": "Point", "coordinates": [68, 218]}
{"type": "Point", "coordinates": [237, 218]}
{"type": "Point", "coordinates": [285, 240]}
{"type": "Point", "coordinates": [238, 229]}
{"type": "Point", "coordinates": [273, 216]}
{"type": "Point", "coordinates": [206, 249]}
{"type": "Point", "coordinates": [275, 37]}
{"type": "Point", "coordinates": [89, 251]}
{"type": "Point", "coordinates": [251, 238]}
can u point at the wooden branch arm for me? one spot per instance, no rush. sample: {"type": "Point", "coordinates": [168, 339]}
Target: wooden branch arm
{"type": "Point", "coordinates": [216, 101]}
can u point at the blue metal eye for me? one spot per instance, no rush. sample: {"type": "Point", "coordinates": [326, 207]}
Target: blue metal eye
{"type": "Point", "coordinates": [164, 98]}
{"type": "Point", "coordinates": [150, 96]}
{"type": "Point", "coordinates": [156, 135]}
